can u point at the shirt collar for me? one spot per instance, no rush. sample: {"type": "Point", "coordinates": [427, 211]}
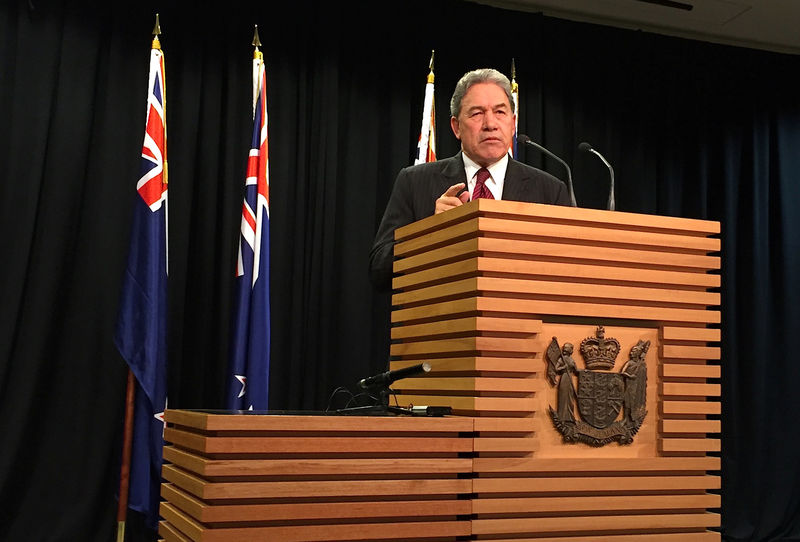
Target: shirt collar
{"type": "Point", "coordinates": [496, 170]}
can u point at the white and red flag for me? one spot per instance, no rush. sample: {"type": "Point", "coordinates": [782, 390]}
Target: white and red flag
{"type": "Point", "coordinates": [426, 147]}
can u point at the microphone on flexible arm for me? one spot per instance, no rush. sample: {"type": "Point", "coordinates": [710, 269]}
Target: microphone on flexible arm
{"type": "Point", "coordinates": [386, 379]}
{"type": "Point", "coordinates": [588, 148]}
{"type": "Point", "coordinates": [525, 139]}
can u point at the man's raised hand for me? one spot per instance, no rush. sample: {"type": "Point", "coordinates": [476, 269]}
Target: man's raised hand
{"type": "Point", "coordinates": [451, 198]}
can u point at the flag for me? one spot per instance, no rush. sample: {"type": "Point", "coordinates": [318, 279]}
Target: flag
{"type": "Point", "coordinates": [515, 106]}
{"type": "Point", "coordinates": [248, 379]}
{"type": "Point", "coordinates": [426, 147]}
{"type": "Point", "coordinates": [141, 330]}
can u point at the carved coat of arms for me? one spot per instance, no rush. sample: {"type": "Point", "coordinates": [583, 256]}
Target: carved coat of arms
{"type": "Point", "coordinates": [601, 395]}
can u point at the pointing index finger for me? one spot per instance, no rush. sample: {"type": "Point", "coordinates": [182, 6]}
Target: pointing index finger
{"type": "Point", "coordinates": [453, 190]}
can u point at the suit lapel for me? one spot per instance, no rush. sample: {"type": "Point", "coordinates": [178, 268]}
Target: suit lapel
{"type": "Point", "coordinates": [514, 186]}
{"type": "Point", "coordinates": [454, 169]}
{"type": "Point", "coordinates": [453, 172]}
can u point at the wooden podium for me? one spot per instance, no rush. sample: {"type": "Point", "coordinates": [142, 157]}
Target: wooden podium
{"type": "Point", "coordinates": [480, 293]}
{"type": "Point", "coordinates": [238, 477]}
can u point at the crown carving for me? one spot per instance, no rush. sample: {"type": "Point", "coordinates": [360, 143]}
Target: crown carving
{"type": "Point", "coordinates": [600, 352]}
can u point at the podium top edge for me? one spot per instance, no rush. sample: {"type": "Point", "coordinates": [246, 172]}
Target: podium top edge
{"type": "Point", "coordinates": [298, 421]}
{"type": "Point", "coordinates": [517, 210]}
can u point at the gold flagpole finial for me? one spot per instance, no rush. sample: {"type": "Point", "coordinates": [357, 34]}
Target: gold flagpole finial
{"type": "Point", "coordinates": [256, 43]}
{"type": "Point", "coordinates": [156, 33]}
{"type": "Point", "coordinates": [430, 66]}
{"type": "Point", "coordinates": [514, 87]}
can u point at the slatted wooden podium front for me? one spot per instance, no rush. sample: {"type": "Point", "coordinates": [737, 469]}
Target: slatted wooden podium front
{"type": "Point", "coordinates": [252, 478]}
{"type": "Point", "coordinates": [480, 292]}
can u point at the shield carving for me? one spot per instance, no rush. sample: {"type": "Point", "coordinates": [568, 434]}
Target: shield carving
{"type": "Point", "coordinates": [600, 397]}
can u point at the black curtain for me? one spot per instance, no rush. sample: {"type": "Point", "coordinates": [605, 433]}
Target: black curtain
{"type": "Point", "coordinates": [693, 129]}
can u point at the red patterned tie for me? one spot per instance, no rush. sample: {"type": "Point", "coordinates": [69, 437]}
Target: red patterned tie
{"type": "Point", "coordinates": [481, 190]}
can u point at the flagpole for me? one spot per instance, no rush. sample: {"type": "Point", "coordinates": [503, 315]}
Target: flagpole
{"type": "Point", "coordinates": [130, 399]}
{"type": "Point", "coordinates": [125, 468]}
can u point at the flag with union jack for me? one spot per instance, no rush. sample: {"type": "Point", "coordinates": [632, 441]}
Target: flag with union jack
{"type": "Point", "coordinates": [426, 147]}
{"type": "Point", "coordinates": [248, 380]}
{"type": "Point", "coordinates": [141, 330]}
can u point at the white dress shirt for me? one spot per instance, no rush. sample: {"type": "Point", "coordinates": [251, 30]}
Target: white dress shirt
{"type": "Point", "coordinates": [494, 183]}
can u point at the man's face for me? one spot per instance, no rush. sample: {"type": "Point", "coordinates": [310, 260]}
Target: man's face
{"type": "Point", "coordinates": [485, 123]}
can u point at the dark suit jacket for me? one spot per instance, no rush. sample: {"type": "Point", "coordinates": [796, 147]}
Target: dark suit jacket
{"type": "Point", "coordinates": [418, 187]}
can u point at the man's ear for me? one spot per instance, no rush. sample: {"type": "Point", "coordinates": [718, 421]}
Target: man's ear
{"type": "Point", "coordinates": [454, 126]}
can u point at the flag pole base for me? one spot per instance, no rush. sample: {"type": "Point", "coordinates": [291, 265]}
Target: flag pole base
{"type": "Point", "coordinates": [120, 531]}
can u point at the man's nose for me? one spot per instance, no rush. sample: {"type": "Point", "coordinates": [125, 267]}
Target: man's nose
{"type": "Point", "coordinates": [489, 121]}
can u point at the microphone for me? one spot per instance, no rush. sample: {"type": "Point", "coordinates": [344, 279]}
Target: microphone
{"type": "Point", "coordinates": [588, 148]}
{"type": "Point", "coordinates": [386, 379]}
{"type": "Point", "coordinates": [529, 141]}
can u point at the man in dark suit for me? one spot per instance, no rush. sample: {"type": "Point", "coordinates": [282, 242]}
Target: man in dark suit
{"type": "Point", "coordinates": [483, 120]}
